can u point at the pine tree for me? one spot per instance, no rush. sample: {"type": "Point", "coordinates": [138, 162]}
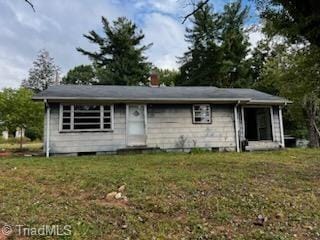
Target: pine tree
{"type": "Point", "coordinates": [235, 45]}
{"type": "Point", "coordinates": [43, 73]}
{"type": "Point", "coordinates": [120, 59]}
{"type": "Point", "coordinates": [218, 48]}
{"type": "Point", "coordinates": [201, 63]}
{"type": "Point", "coordinates": [297, 20]}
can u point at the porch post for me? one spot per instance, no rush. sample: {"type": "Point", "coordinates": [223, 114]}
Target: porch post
{"type": "Point", "coordinates": [243, 123]}
{"type": "Point", "coordinates": [272, 123]}
{"type": "Point", "coordinates": [145, 110]}
{"type": "Point", "coordinates": [127, 117]}
{"type": "Point", "coordinates": [48, 131]}
{"type": "Point", "coordinates": [236, 124]}
{"type": "Point", "coordinates": [281, 127]}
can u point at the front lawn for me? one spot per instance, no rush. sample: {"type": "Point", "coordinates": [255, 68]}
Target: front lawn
{"type": "Point", "coordinates": [167, 196]}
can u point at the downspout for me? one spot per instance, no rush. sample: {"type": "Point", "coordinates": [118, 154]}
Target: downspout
{"type": "Point", "coordinates": [47, 129]}
{"type": "Point", "coordinates": [281, 127]}
{"type": "Point", "coordinates": [236, 124]}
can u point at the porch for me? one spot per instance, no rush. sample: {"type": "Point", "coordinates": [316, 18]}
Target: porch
{"type": "Point", "coordinates": [261, 128]}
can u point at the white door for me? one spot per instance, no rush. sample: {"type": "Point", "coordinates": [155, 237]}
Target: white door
{"type": "Point", "coordinates": [136, 125]}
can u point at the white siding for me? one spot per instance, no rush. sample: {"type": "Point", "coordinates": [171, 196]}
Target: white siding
{"type": "Point", "coordinates": [75, 142]}
{"type": "Point", "coordinates": [168, 123]}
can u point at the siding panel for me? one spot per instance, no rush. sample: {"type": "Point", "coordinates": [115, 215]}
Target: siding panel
{"type": "Point", "coordinates": [166, 124]}
{"type": "Point", "coordinates": [73, 142]}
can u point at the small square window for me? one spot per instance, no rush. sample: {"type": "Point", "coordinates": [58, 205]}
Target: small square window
{"type": "Point", "coordinates": [201, 114]}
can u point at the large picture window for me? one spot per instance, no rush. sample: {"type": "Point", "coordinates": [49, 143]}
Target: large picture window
{"type": "Point", "coordinates": [201, 113]}
{"type": "Point", "coordinates": [84, 117]}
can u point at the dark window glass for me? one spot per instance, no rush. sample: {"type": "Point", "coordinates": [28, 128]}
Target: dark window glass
{"type": "Point", "coordinates": [86, 120]}
{"type": "Point", "coordinates": [86, 126]}
{"type": "Point", "coordinates": [86, 108]}
{"type": "Point", "coordinates": [66, 120]}
{"type": "Point", "coordinates": [66, 107]}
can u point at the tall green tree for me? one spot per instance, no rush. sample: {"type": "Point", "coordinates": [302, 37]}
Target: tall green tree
{"type": "Point", "coordinates": [295, 74]}
{"type": "Point", "coordinates": [120, 59]}
{"type": "Point", "coordinates": [264, 52]}
{"type": "Point", "coordinates": [82, 74]}
{"type": "Point", "coordinates": [17, 110]}
{"type": "Point", "coordinates": [258, 59]}
{"type": "Point", "coordinates": [201, 64]}
{"type": "Point", "coordinates": [235, 45]}
{"type": "Point", "coordinates": [43, 73]}
{"type": "Point", "coordinates": [218, 48]}
{"type": "Point", "coordinates": [297, 20]}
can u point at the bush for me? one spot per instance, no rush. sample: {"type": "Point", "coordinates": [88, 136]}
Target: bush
{"type": "Point", "coordinates": [33, 133]}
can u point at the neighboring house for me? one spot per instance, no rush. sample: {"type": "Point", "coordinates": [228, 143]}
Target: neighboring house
{"type": "Point", "coordinates": [84, 119]}
{"type": "Point", "coordinates": [5, 133]}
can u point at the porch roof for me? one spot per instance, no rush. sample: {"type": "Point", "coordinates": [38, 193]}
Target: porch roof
{"type": "Point", "coordinates": [60, 93]}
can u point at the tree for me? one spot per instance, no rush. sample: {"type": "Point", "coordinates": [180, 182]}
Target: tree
{"type": "Point", "coordinates": [264, 52]}
{"type": "Point", "coordinates": [167, 77]}
{"type": "Point", "coordinates": [17, 110]}
{"type": "Point", "coordinates": [43, 73]}
{"type": "Point", "coordinates": [120, 59]}
{"type": "Point", "coordinates": [82, 74]}
{"type": "Point", "coordinates": [200, 65]}
{"type": "Point", "coordinates": [218, 48]}
{"type": "Point", "coordinates": [258, 59]}
{"type": "Point", "coordinates": [297, 20]}
{"type": "Point", "coordinates": [295, 74]}
{"type": "Point", "coordinates": [235, 45]}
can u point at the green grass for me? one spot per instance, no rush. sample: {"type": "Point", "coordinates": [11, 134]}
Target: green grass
{"type": "Point", "coordinates": [171, 196]}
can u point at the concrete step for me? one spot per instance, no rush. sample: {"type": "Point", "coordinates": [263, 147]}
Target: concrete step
{"type": "Point", "coordinates": [262, 146]}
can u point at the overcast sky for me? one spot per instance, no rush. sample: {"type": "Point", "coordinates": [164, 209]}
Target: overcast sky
{"type": "Point", "coordinates": [58, 25]}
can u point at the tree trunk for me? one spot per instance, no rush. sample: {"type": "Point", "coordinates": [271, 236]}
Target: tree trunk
{"type": "Point", "coordinates": [311, 107]}
{"type": "Point", "coordinates": [313, 133]}
{"type": "Point", "coordinates": [21, 139]}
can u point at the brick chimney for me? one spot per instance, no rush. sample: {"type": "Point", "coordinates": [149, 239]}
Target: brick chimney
{"type": "Point", "coordinates": [154, 80]}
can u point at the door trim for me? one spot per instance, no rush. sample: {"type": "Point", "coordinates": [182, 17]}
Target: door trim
{"type": "Point", "coordinates": [127, 122]}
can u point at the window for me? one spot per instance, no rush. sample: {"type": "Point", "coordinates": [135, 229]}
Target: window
{"type": "Point", "coordinates": [201, 113]}
{"type": "Point", "coordinates": [84, 117]}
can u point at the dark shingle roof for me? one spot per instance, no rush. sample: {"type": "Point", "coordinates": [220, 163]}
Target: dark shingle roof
{"type": "Point", "coordinates": [132, 93]}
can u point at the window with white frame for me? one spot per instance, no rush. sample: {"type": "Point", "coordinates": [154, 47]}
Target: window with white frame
{"type": "Point", "coordinates": [201, 113]}
{"type": "Point", "coordinates": [85, 117]}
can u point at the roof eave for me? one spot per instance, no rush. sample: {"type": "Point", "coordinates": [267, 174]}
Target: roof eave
{"type": "Point", "coordinates": [167, 100]}
{"type": "Point", "coordinates": [164, 100]}
{"type": "Point", "coordinates": [270, 102]}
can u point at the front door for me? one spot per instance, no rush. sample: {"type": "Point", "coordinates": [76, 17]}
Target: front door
{"type": "Point", "coordinates": [136, 125]}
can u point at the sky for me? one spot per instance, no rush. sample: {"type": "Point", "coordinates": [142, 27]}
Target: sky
{"type": "Point", "coordinates": [58, 26]}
